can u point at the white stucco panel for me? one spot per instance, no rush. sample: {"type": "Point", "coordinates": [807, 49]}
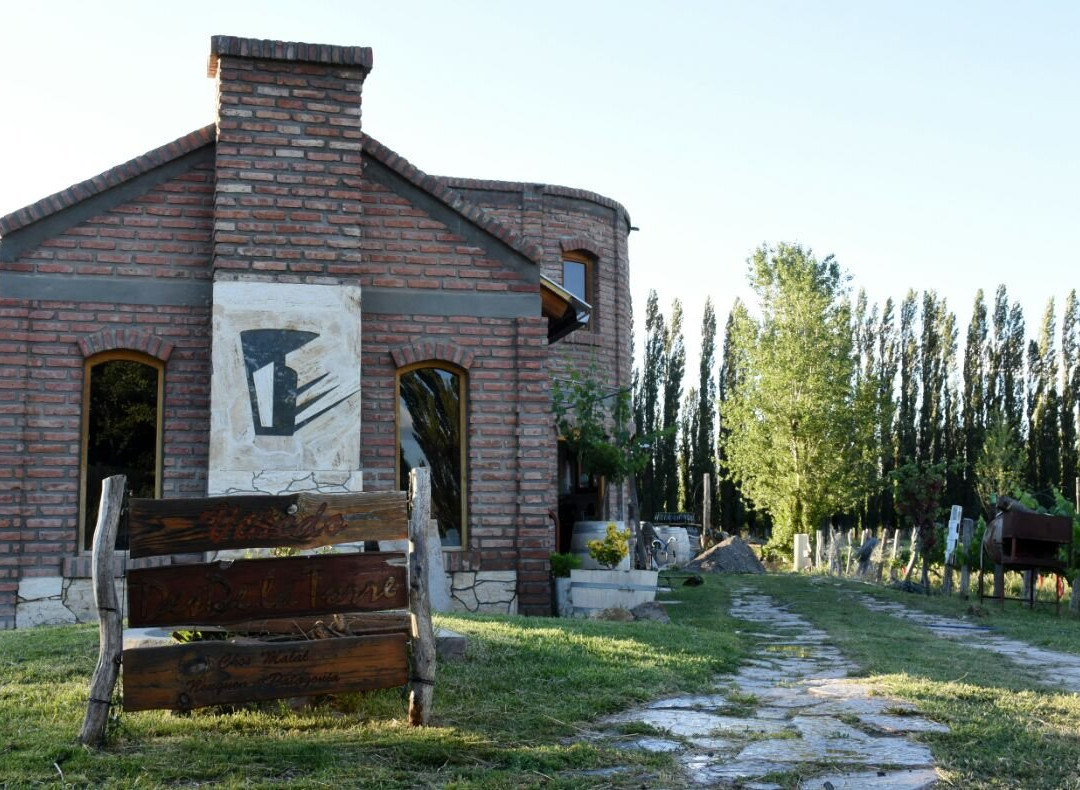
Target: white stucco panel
{"type": "Point", "coordinates": [285, 389]}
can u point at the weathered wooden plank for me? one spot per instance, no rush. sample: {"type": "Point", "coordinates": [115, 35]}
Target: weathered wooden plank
{"type": "Point", "coordinates": [110, 629]}
{"type": "Point", "coordinates": [311, 626]}
{"type": "Point", "coordinates": [198, 674]}
{"type": "Point", "coordinates": [219, 593]}
{"type": "Point", "coordinates": [303, 521]}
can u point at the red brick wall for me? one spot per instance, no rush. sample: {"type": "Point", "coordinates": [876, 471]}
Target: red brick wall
{"type": "Point", "coordinates": [288, 160]}
{"type": "Point", "coordinates": [165, 233]}
{"type": "Point", "coordinates": [511, 439]}
{"type": "Point", "coordinates": [561, 219]}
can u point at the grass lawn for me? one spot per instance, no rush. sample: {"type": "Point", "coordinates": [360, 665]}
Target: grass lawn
{"type": "Point", "coordinates": [500, 717]}
{"type": "Point", "coordinates": [503, 716]}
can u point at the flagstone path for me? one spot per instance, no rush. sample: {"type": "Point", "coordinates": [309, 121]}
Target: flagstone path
{"type": "Point", "coordinates": [791, 712]}
{"type": "Point", "coordinates": [1051, 667]}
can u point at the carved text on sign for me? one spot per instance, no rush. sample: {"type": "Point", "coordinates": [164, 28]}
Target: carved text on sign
{"type": "Point", "coordinates": [230, 524]}
{"type": "Point", "coordinates": [232, 592]}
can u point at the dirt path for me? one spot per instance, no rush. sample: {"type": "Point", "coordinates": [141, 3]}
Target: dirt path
{"type": "Point", "coordinates": [789, 714]}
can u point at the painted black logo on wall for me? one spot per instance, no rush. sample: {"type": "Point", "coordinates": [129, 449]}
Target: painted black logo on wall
{"type": "Point", "coordinates": [275, 391]}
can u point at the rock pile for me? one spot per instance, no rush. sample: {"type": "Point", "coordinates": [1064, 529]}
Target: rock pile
{"type": "Point", "coordinates": [733, 555]}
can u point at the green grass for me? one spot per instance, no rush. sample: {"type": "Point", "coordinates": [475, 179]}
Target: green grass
{"type": "Point", "coordinates": [507, 715]}
{"type": "Point", "coordinates": [502, 717]}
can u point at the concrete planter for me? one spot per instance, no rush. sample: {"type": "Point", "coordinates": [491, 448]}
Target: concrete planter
{"type": "Point", "coordinates": [592, 591]}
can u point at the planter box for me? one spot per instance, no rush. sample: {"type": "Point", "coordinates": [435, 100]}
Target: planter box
{"type": "Point", "coordinates": [593, 591]}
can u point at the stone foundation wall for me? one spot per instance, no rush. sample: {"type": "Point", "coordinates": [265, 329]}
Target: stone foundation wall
{"type": "Point", "coordinates": [494, 592]}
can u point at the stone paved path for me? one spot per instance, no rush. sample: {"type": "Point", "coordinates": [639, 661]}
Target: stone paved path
{"type": "Point", "coordinates": [792, 711]}
{"type": "Point", "coordinates": [1060, 670]}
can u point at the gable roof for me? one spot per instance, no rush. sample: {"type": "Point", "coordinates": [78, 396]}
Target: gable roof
{"type": "Point", "coordinates": [440, 190]}
{"type": "Point", "coordinates": [113, 177]}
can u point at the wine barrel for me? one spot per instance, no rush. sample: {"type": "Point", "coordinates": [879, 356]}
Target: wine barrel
{"type": "Point", "coordinates": [584, 531]}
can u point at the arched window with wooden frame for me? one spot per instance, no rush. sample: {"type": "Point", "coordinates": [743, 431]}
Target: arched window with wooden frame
{"type": "Point", "coordinates": [123, 395]}
{"type": "Point", "coordinates": [578, 273]}
{"type": "Point", "coordinates": [431, 407]}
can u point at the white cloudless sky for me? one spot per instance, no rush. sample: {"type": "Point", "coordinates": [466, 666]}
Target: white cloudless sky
{"type": "Point", "coordinates": [927, 145]}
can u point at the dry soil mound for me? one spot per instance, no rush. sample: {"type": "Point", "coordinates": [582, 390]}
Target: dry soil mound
{"type": "Point", "coordinates": [730, 556]}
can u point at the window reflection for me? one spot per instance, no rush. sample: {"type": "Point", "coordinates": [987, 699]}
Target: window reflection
{"type": "Point", "coordinates": [430, 412]}
{"type": "Point", "coordinates": [121, 436]}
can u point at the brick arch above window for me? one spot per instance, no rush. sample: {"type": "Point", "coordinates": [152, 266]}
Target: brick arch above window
{"type": "Point", "coordinates": [432, 351]}
{"type": "Point", "coordinates": [580, 244]}
{"type": "Point", "coordinates": [125, 339]}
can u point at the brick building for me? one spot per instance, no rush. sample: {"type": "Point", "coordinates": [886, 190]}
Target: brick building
{"type": "Point", "coordinates": [278, 302]}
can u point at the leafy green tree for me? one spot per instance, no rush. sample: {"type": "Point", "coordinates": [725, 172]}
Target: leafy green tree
{"type": "Point", "coordinates": [999, 468]}
{"type": "Point", "coordinates": [793, 428]}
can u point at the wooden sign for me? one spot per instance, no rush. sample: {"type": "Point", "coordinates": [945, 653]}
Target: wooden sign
{"type": "Point", "coordinates": [230, 592]}
{"type": "Point", "coordinates": [217, 673]}
{"type": "Point", "coordinates": [303, 521]}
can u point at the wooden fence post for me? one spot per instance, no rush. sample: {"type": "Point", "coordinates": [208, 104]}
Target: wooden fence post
{"type": "Point", "coordinates": [706, 510]}
{"type": "Point", "coordinates": [422, 677]}
{"type": "Point", "coordinates": [967, 534]}
{"type": "Point", "coordinates": [110, 629]}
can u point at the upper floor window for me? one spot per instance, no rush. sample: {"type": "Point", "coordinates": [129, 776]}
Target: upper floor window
{"type": "Point", "coordinates": [431, 430]}
{"type": "Point", "coordinates": [122, 407]}
{"type": "Point", "coordinates": [577, 278]}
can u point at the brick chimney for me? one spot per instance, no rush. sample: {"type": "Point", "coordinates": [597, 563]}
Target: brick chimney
{"type": "Point", "coordinates": [288, 158]}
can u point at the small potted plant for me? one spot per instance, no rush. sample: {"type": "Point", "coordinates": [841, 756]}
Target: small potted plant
{"type": "Point", "coordinates": [561, 566]}
{"type": "Point", "coordinates": [595, 590]}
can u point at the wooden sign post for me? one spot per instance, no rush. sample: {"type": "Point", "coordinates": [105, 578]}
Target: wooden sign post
{"type": "Point", "coordinates": [366, 649]}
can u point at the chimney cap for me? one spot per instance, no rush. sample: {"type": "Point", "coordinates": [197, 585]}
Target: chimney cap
{"type": "Point", "coordinates": [269, 49]}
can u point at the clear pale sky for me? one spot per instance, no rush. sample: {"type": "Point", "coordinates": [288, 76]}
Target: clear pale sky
{"type": "Point", "coordinates": [927, 145]}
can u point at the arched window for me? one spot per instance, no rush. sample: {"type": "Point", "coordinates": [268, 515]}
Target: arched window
{"type": "Point", "coordinates": [431, 431]}
{"type": "Point", "coordinates": [122, 407]}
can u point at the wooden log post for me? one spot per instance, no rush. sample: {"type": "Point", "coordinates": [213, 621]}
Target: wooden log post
{"type": "Point", "coordinates": [706, 510]}
{"type": "Point", "coordinates": [422, 677]}
{"type": "Point", "coordinates": [819, 549]}
{"type": "Point", "coordinates": [967, 534]}
{"type": "Point", "coordinates": [110, 628]}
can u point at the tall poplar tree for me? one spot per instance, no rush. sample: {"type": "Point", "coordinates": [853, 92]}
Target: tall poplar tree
{"type": "Point", "coordinates": [791, 416]}
{"type": "Point", "coordinates": [648, 404]}
{"type": "Point", "coordinates": [674, 369]}
{"type": "Point", "coordinates": [732, 514]}
{"type": "Point", "coordinates": [907, 416]}
{"type": "Point", "coordinates": [1070, 390]}
{"type": "Point", "coordinates": [704, 449]}
{"type": "Point", "coordinates": [887, 367]}
{"type": "Point", "coordinates": [1044, 437]}
{"type": "Point", "coordinates": [974, 398]}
